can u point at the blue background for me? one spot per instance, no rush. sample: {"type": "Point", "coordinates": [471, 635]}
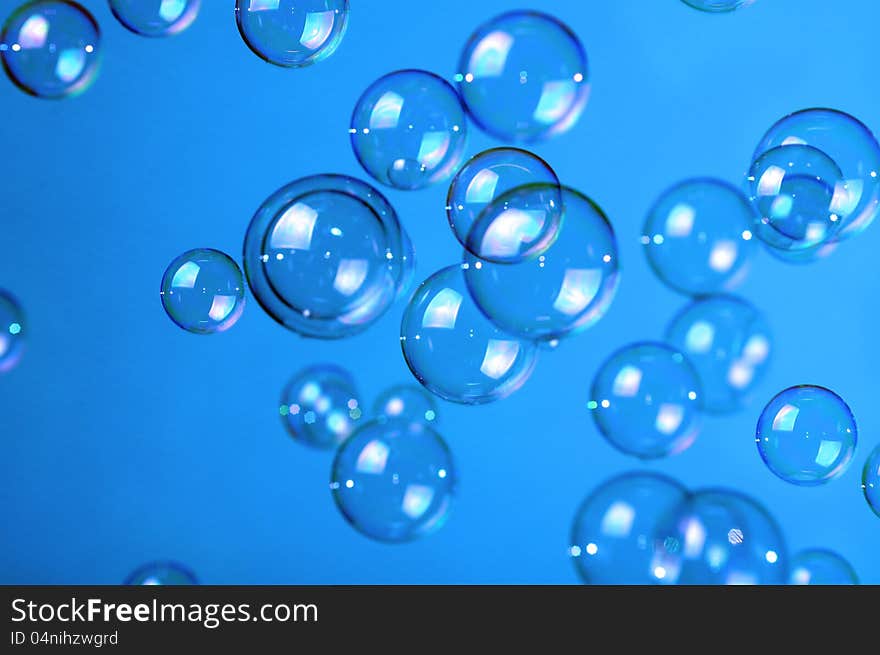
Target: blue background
{"type": "Point", "coordinates": [125, 439]}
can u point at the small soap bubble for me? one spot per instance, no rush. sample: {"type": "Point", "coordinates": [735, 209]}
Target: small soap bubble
{"type": "Point", "coordinates": [162, 573]}
{"type": "Point", "coordinates": [320, 406]}
{"type": "Point", "coordinates": [12, 331]}
{"type": "Point", "coordinates": [821, 567]}
{"type": "Point", "coordinates": [871, 480]}
{"type": "Point", "coordinates": [155, 18]}
{"type": "Point", "coordinates": [718, 6]}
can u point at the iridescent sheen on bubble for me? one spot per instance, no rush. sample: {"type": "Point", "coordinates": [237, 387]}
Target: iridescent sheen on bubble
{"type": "Point", "coordinates": [12, 331]}
{"type": "Point", "coordinates": [612, 539]}
{"type": "Point", "coordinates": [821, 567]}
{"type": "Point", "coordinates": [408, 129]}
{"type": "Point", "coordinates": [454, 350]}
{"type": "Point", "coordinates": [155, 17]}
{"type": "Point", "coordinates": [292, 33]}
{"type": "Point", "coordinates": [51, 48]}
{"type": "Point", "coordinates": [563, 290]}
{"type": "Point", "coordinates": [406, 402]}
{"type": "Point", "coordinates": [394, 481]}
{"type": "Point", "coordinates": [850, 145]}
{"type": "Point", "coordinates": [698, 237]}
{"type": "Point", "coordinates": [645, 400]}
{"type": "Point", "coordinates": [807, 435]}
{"type": "Point", "coordinates": [203, 291]}
{"type": "Point", "coordinates": [728, 342]}
{"type": "Point", "coordinates": [718, 6]}
{"type": "Point", "coordinates": [162, 573]}
{"type": "Point", "coordinates": [871, 480]}
{"type": "Point", "coordinates": [320, 406]}
{"type": "Point", "coordinates": [523, 76]}
{"type": "Point", "coordinates": [518, 226]}
{"type": "Point", "coordinates": [325, 256]}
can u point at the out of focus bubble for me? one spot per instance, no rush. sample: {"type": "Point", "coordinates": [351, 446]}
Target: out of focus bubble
{"type": "Point", "coordinates": [155, 17]}
{"type": "Point", "coordinates": [325, 256]}
{"type": "Point", "coordinates": [292, 33]}
{"type": "Point", "coordinates": [408, 129]}
{"type": "Point", "coordinates": [393, 480]}
{"type": "Point", "coordinates": [406, 402]}
{"type": "Point", "coordinates": [12, 331]}
{"type": "Point", "coordinates": [521, 224]}
{"type": "Point", "coordinates": [853, 149]}
{"type": "Point", "coordinates": [807, 435]}
{"type": "Point", "coordinates": [717, 6]}
{"type": "Point", "coordinates": [565, 289]}
{"type": "Point", "coordinates": [162, 573]}
{"type": "Point", "coordinates": [612, 539]}
{"type": "Point", "coordinates": [645, 400]}
{"type": "Point", "coordinates": [729, 343]}
{"type": "Point", "coordinates": [320, 406]}
{"type": "Point", "coordinates": [871, 480]}
{"type": "Point", "coordinates": [454, 350]}
{"type": "Point", "coordinates": [821, 567]}
{"type": "Point", "coordinates": [523, 76]}
{"type": "Point", "coordinates": [51, 48]}
{"type": "Point", "coordinates": [722, 537]}
{"type": "Point", "coordinates": [203, 291]}
{"type": "Point", "coordinates": [698, 237]}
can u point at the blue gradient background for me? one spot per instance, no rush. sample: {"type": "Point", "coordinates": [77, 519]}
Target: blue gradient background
{"type": "Point", "coordinates": [125, 439]}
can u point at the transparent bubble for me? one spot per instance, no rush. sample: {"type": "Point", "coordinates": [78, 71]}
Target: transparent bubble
{"type": "Point", "coordinates": [565, 289]}
{"type": "Point", "coordinates": [155, 17]}
{"type": "Point", "coordinates": [12, 332]}
{"type": "Point", "coordinates": [162, 573]}
{"type": "Point", "coordinates": [612, 539]}
{"type": "Point", "coordinates": [453, 349]}
{"type": "Point", "coordinates": [821, 567]}
{"type": "Point", "coordinates": [408, 403]}
{"type": "Point", "coordinates": [522, 224]}
{"type": "Point", "coordinates": [718, 6]}
{"type": "Point", "coordinates": [807, 435]}
{"type": "Point", "coordinates": [203, 291]}
{"type": "Point", "coordinates": [850, 145]}
{"type": "Point", "coordinates": [523, 76]}
{"type": "Point", "coordinates": [408, 129]}
{"type": "Point", "coordinates": [698, 237]}
{"type": "Point", "coordinates": [871, 480]}
{"type": "Point", "coordinates": [719, 536]}
{"type": "Point", "coordinates": [393, 480]}
{"type": "Point", "coordinates": [320, 406]}
{"type": "Point", "coordinates": [728, 342]}
{"type": "Point", "coordinates": [51, 48]}
{"type": "Point", "coordinates": [292, 33]}
{"type": "Point", "coordinates": [325, 256]}
{"type": "Point", "coordinates": [645, 400]}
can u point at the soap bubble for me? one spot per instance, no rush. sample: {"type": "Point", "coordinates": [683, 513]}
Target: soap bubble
{"type": "Point", "coordinates": [807, 435]}
{"type": "Point", "coordinates": [612, 539]}
{"type": "Point", "coordinates": [51, 48]}
{"type": "Point", "coordinates": [292, 33]}
{"type": "Point", "coordinates": [408, 129]}
{"type": "Point", "coordinates": [155, 17]}
{"type": "Point", "coordinates": [320, 406]}
{"type": "Point", "coordinates": [454, 350]}
{"type": "Point", "coordinates": [523, 76]}
{"type": "Point", "coordinates": [821, 567]}
{"type": "Point", "coordinates": [394, 481]}
{"type": "Point", "coordinates": [729, 343]}
{"type": "Point", "coordinates": [162, 573]}
{"type": "Point", "coordinates": [406, 402]}
{"type": "Point", "coordinates": [871, 480]}
{"type": "Point", "coordinates": [203, 291]}
{"type": "Point", "coordinates": [717, 6]}
{"type": "Point", "coordinates": [12, 332]}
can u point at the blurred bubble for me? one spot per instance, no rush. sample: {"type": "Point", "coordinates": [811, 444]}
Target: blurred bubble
{"type": "Point", "coordinates": [719, 536]}
{"type": "Point", "coordinates": [562, 291]}
{"type": "Point", "coordinates": [320, 406]}
{"type": "Point", "coordinates": [325, 256]}
{"type": "Point", "coordinates": [162, 573]}
{"type": "Point", "coordinates": [394, 481]}
{"type": "Point", "coordinates": [292, 33]}
{"type": "Point", "coordinates": [612, 539]}
{"type": "Point", "coordinates": [698, 237]}
{"type": "Point", "coordinates": [522, 224]}
{"type": "Point", "coordinates": [853, 149]}
{"type": "Point", "coordinates": [871, 480]}
{"type": "Point", "coordinates": [203, 291]}
{"type": "Point", "coordinates": [408, 129]}
{"type": "Point", "coordinates": [821, 567]}
{"type": "Point", "coordinates": [453, 349]}
{"type": "Point", "coordinates": [406, 402]}
{"type": "Point", "coordinates": [523, 76]}
{"type": "Point", "coordinates": [51, 48]}
{"type": "Point", "coordinates": [12, 331]}
{"type": "Point", "coordinates": [155, 17]}
{"type": "Point", "coordinates": [645, 400]}
{"type": "Point", "coordinates": [806, 435]}
{"type": "Point", "coordinates": [728, 342]}
{"type": "Point", "coordinates": [718, 6]}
